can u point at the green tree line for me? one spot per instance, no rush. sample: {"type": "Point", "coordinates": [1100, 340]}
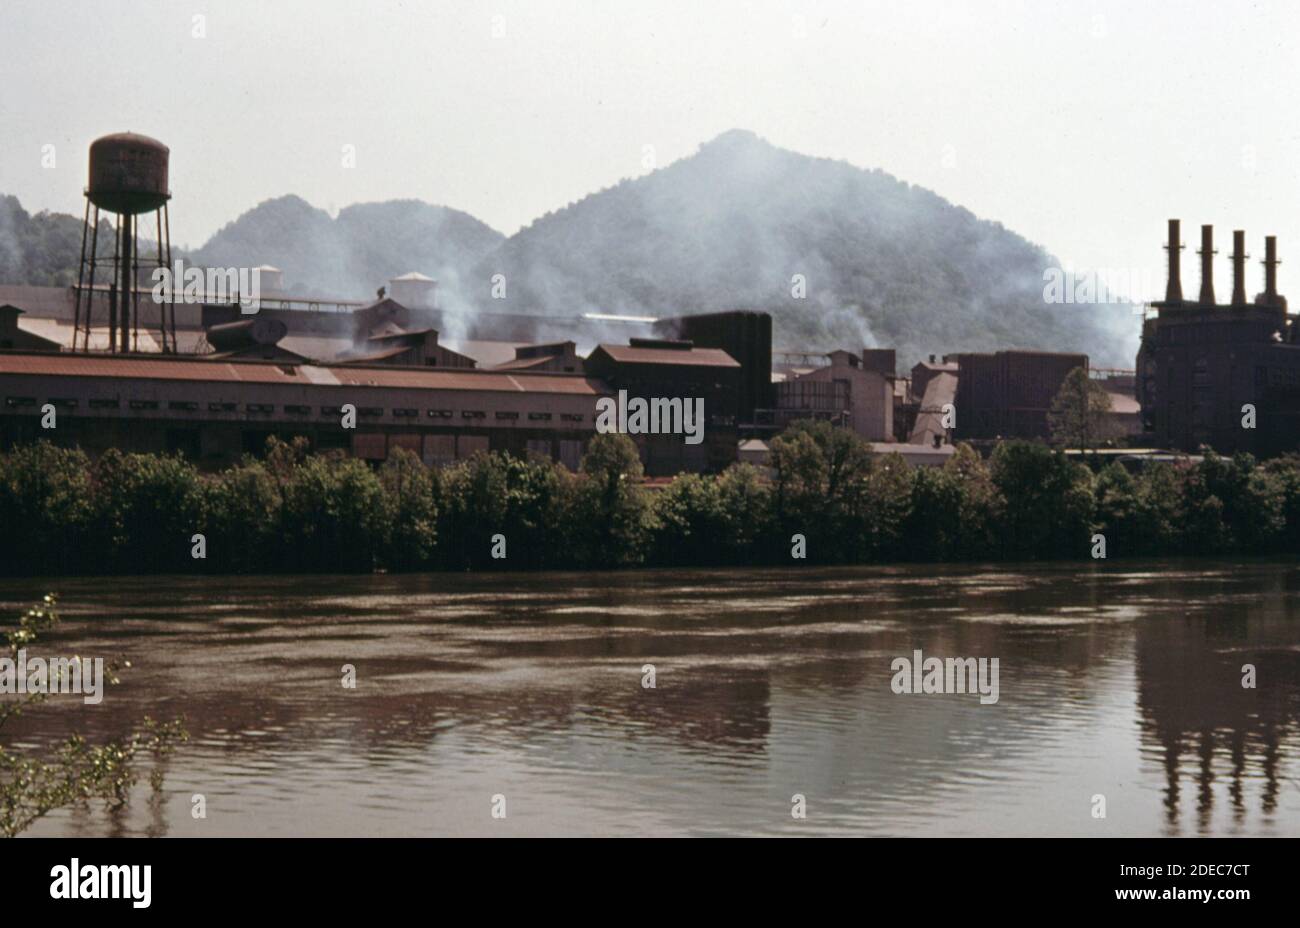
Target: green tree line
{"type": "Point", "coordinates": [62, 513]}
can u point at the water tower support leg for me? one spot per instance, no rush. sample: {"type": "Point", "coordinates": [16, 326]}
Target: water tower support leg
{"type": "Point", "coordinates": [171, 302]}
{"type": "Point", "coordinates": [90, 287]}
{"type": "Point", "coordinates": [81, 274]}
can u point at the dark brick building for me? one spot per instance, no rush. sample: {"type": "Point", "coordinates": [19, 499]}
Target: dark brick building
{"type": "Point", "coordinates": [215, 411]}
{"type": "Point", "coordinates": [665, 368]}
{"type": "Point", "coordinates": [1201, 362]}
{"type": "Point", "coordinates": [1008, 394]}
{"type": "Point", "coordinates": [747, 337]}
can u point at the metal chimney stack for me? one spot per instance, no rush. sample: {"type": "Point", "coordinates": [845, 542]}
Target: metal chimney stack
{"type": "Point", "coordinates": [1174, 289]}
{"type": "Point", "coordinates": [1270, 269]}
{"type": "Point", "coordinates": [1239, 257]}
{"type": "Point", "coordinates": [1207, 265]}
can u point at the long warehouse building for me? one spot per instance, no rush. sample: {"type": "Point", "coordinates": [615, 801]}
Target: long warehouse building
{"type": "Point", "coordinates": [215, 411]}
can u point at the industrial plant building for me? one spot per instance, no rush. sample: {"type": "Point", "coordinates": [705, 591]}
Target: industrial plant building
{"type": "Point", "coordinates": [213, 378]}
{"type": "Point", "coordinates": [107, 363]}
{"type": "Point", "coordinates": [850, 390]}
{"type": "Point", "coordinates": [215, 411]}
{"type": "Point", "coordinates": [676, 368]}
{"type": "Point", "coordinates": [1224, 375]}
{"type": "Point", "coordinates": [1008, 394]}
{"type": "Point", "coordinates": [288, 368]}
{"type": "Point", "coordinates": [746, 337]}
{"type": "Point", "coordinates": [406, 388]}
{"type": "Point", "coordinates": [933, 386]}
{"type": "Point", "coordinates": [239, 378]}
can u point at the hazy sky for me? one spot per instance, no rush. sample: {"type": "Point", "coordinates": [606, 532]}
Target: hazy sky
{"type": "Point", "coordinates": [1082, 125]}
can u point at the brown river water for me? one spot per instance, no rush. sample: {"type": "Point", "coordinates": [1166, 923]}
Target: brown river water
{"type": "Point", "coordinates": [1122, 681]}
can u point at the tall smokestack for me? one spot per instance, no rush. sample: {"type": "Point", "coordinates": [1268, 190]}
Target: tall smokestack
{"type": "Point", "coordinates": [1239, 257]}
{"type": "Point", "coordinates": [1174, 289]}
{"type": "Point", "coordinates": [1270, 269]}
{"type": "Point", "coordinates": [1207, 265]}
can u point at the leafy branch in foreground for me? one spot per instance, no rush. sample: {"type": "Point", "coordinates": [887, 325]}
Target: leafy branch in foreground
{"type": "Point", "coordinates": [76, 772]}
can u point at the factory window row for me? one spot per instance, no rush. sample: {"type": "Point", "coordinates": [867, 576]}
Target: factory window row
{"type": "Point", "coordinates": [19, 402]}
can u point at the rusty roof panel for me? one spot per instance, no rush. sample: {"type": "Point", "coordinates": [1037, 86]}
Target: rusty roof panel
{"type": "Point", "coordinates": [694, 357]}
{"type": "Point", "coordinates": [523, 364]}
{"type": "Point", "coordinates": [463, 379]}
{"type": "Point", "coordinates": [168, 368]}
{"type": "Point", "coordinates": [142, 368]}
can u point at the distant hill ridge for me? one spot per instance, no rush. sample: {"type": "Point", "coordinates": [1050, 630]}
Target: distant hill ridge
{"type": "Point", "coordinates": [353, 254]}
{"type": "Point", "coordinates": [742, 224]}
{"type": "Point", "coordinates": [839, 255]}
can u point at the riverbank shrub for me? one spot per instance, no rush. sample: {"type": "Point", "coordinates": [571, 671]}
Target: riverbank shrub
{"type": "Point", "coordinates": [36, 781]}
{"type": "Point", "coordinates": [63, 513]}
{"type": "Point", "coordinates": [144, 510]}
{"type": "Point", "coordinates": [45, 509]}
{"type": "Point", "coordinates": [526, 501]}
{"type": "Point", "coordinates": [1046, 502]}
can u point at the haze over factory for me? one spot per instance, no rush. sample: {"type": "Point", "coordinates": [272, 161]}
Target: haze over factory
{"type": "Point", "coordinates": [213, 375]}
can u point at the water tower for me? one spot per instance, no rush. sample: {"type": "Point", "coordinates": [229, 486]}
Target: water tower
{"type": "Point", "coordinates": [128, 178]}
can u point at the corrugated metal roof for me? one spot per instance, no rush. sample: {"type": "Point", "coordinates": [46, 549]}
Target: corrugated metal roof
{"type": "Point", "coordinates": [485, 352]}
{"type": "Point", "coordinates": [317, 347]}
{"type": "Point", "coordinates": [695, 357]}
{"type": "Point", "coordinates": [433, 379]}
{"type": "Point", "coordinates": [49, 302]}
{"type": "Point", "coordinates": [142, 368]}
{"type": "Point", "coordinates": [320, 376]}
{"type": "Point", "coordinates": [169, 368]}
{"type": "Point", "coordinates": [375, 355]}
{"type": "Point", "coordinates": [393, 331]}
{"type": "Point", "coordinates": [189, 340]}
{"type": "Point", "coordinates": [939, 391]}
{"type": "Point", "coordinates": [523, 364]}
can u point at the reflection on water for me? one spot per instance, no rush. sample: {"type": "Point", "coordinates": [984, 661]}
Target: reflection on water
{"type": "Point", "coordinates": [1124, 681]}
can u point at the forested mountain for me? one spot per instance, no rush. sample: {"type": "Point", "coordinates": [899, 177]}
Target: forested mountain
{"type": "Point", "coordinates": [43, 249]}
{"type": "Point", "coordinates": [742, 224]}
{"type": "Point", "coordinates": [841, 256]}
{"type": "Point", "coordinates": [364, 247]}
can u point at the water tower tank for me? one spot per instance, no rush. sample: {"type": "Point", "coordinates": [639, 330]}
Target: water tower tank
{"type": "Point", "coordinates": [128, 173]}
